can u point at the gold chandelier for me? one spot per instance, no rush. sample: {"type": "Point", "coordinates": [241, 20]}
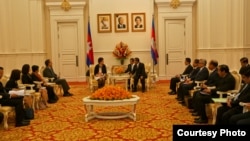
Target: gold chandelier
{"type": "Point", "coordinates": [65, 5]}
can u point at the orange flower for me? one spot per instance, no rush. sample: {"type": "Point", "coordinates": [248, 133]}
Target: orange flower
{"type": "Point", "coordinates": [111, 93]}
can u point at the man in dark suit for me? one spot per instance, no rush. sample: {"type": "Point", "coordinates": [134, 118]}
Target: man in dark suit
{"type": "Point", "coordinates": [244, 64]}
{"type": "Point", "coordinates": [129, 70]}
{"type": "Point", "coordinates": [139, 73]}
{"type": "Point", "coordinates": [189, 84]}
{"type": "Point", "coordinates": [226, 82]}
{"type": "Point", "coordinates": [121, 23]}
{"type": "Point", "coordinates": [226, 111]}
{"type": "Point", "coordinates": [243, 118]}
{"type": "Point", "coordinates": [49, 72]}
{"type": "Point", "coordinates": [15, 101]}
{"type": "Point", "coordinates": [212, 80]}
{"type": "Point", "coordinates": [177, 78]}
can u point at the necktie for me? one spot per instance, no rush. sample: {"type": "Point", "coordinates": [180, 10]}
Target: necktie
{"type": "Point", "coordinates": [236, 97]}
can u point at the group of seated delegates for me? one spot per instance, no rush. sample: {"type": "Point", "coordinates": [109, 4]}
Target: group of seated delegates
{"type": "Point", "coordinates": [139, 73]}
{"type": "Point", "coordinates": [21, 102]}
{"type": "Point", "coordinates": [100, 72]}
{"type": "Point", "coordinates": [49, 72]}
{"type": "Point", "coordinates": [188, 77]}
{"type": "Point", "coordinates": [232, 112]}
{"type": "Point", "coordinates": [135, 69]}
{"type": "Point", "coordinates": [205, 95]}
{"type": "Point", "coordinates": [178, 77]}
{"type": "Point", "coordinates": [220, 79]}
{"type": "Point", "coordinates": [52, 97]}
{"type": "Point", "coordinates": [189, 83]}
{"type": "Point", "coordinates": [212, 81]}
{"type": "Point", "coordinates": [27, 79]}
{"type": "Point", "coordinates": [13, 100]}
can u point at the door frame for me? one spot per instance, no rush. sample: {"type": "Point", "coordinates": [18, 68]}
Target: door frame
{"type": "Point", "coordinates": [55, 21]}
{"type": "Point", "coordinates": [54, 15]}
{"type": "Point", "coordinates": [167, 50]}
{"type": "Point", "coordinates": [162, 17]}
{"type": "Point", "coordinates": [61, 61]}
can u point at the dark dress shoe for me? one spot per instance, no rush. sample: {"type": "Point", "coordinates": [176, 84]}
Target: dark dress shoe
{"type": "Point", "coordinates": [134, 90]}
{"type": "Point", "coordinates": [23, 123]}
{"type": "Point", "coordinates": [67, 94]}
{"type": "Point", "coordinates": [198, 118]}
{"type": "Point", "coordinates": [192, 111]}
{"type": "Point", "coordinates": [143, 91]}
{"type": "Point", "coordinates": [172, 93]}
{"type": "Point", "coordinates": [182, 102]}
{"type": "Point", "coordinates": [195, 114]}
{"type": "Point", "coordinates": [201, 121]}
{"type": "Point", "coordinates": [52, 101]}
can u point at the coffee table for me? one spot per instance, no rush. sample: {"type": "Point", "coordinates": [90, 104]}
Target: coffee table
{"type": "Point", "coordinates": [90, 114]}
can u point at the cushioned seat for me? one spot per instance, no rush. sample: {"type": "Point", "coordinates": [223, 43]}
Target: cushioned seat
{"type": "Point", "coordinates": [6, 110]}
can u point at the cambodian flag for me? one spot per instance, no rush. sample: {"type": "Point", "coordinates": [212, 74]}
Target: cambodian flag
{"type": "Point", "coordinates": [154, 52]}
{"type": "Point", "coordinates": [90, 54]}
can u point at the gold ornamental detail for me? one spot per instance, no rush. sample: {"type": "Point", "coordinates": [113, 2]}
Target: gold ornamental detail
{"type": "Point", "coordinates": [175, 3]}
{"type": "Point", "coordinates": [65, 5]}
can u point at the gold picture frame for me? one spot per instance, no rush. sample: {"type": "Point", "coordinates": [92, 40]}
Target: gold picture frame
{"type": "Point", "coordinates": [104, 24]}
{"type": "Point", "coordinates": [121, 22]}
{"type": "Point", "coordinates": [138, 22]}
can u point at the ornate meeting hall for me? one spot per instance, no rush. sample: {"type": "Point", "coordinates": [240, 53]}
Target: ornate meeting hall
{"type": "Point", "coordinates": [104, 70]}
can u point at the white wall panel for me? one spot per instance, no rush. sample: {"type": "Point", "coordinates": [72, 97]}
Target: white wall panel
{"type": "Point", "coordinates": [246, 23]}
{"type": "Point", "coordinates": [218, 20]}
{"type": "Point", "coordinates": [22, 33]}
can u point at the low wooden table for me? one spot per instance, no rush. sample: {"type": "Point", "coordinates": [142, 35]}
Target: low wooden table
{"type": "Point", "coordinates": [118, 77]}
{"type": "Point", "coordinates": [90, 114]}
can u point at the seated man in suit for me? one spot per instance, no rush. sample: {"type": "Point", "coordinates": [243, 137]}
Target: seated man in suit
{"type": "Point", "coordinates": [177, 78]}
{"type": "Point", "coordinates": [15, 101]}
{"type": "Point", "coordinates": [241, 118]}
{"type": "Point", "coordinates": [226, 111]}
{"type": "Point", "coordinates": [129, 70]}
{"type": "Point", "coordinates": [244, 64]}
{"type": "Point", "coordinates": [49, 72]}
{"type": "Point", "coordinates": [212, 80]}
{"type": "Point", "coordinates": [139, 73]}
{"type": "Point", "coordinates": [226, 82]}
{"type": "Point", "coordinates": [201, 75]}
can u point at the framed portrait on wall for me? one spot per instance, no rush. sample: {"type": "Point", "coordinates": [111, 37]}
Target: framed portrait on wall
{"type": "Point", "coordinates": [121, 22]}
{"type": "Point", "coordinates": [104, 23]}
{"type": "Point", "coordinates": [138, 22]}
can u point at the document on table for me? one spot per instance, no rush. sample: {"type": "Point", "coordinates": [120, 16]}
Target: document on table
{"type": "Point", "coordinates": [17, 92]}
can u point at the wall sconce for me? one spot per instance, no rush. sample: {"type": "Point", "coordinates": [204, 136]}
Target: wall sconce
{"type": "Point", "coordinates": [65, 5]}
{"type": "Point", "coordinates": [175, 3]}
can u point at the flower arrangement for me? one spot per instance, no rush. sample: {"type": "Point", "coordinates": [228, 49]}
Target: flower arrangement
{"type": "Point", "coordinates": [110, 93]}
{"type": "Point", "coordinates": [119, 70]}
{"type": "Point", "coordinates": [121, 51]}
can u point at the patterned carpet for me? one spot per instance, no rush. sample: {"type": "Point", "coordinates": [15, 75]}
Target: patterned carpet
{"type": "Point", "coordinates": [64, 121]}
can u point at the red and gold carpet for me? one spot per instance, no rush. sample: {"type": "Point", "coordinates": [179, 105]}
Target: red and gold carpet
{"type": "Point", "coordinates": [64, 121]}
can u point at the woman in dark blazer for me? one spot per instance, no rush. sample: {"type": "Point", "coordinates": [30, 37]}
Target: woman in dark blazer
{"type": "Point", "coordinates": [100, 72]}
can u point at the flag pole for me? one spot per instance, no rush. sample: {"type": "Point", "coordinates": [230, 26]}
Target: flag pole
{"type": "Point", "coordinates": [154, 43]}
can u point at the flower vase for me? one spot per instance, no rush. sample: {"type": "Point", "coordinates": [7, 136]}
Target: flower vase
{"type": "Point", "coordinates": [122, 61]}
